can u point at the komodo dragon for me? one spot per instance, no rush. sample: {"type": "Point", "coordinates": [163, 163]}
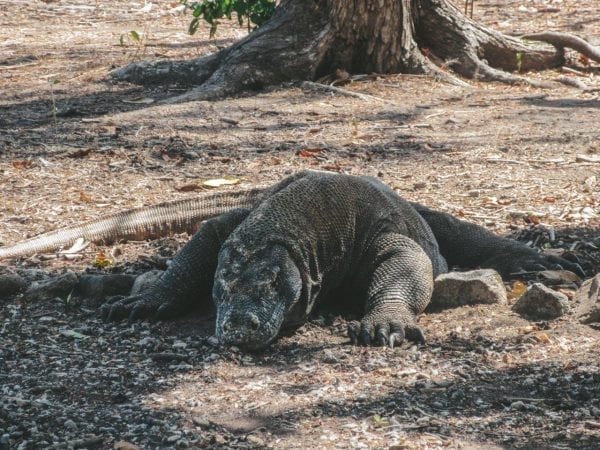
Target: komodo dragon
{"type": "Point", "coordinates": [271, 255]}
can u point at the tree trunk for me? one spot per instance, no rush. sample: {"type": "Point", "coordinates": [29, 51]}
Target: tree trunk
{"type": "Point", "coordinates": [307, 39]}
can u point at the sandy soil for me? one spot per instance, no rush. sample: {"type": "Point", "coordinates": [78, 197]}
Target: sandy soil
{"type": "Point", "coordinates": [74, 147]}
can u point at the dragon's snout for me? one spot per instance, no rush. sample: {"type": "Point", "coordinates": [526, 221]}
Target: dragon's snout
{"type": "Point", "coordinates": [245, 330]}
{"type": "Point", "coordinates": [232, 323]}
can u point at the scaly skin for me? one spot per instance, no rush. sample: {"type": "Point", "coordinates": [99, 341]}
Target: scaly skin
{"type": "Point", "coordinates": [138, 224]}
{"type": "Point", "coordinates": [315, 236]}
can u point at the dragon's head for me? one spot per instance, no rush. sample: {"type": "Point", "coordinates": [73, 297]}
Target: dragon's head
{"type": "Point", "coordinates": [253, 291]}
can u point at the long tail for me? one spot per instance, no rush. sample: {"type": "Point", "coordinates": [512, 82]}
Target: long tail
{"type": "Point", "coordinates": [141, 223]}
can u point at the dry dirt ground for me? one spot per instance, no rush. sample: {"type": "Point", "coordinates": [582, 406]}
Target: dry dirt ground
{"type": "Point", "coordinates": [75, 147]}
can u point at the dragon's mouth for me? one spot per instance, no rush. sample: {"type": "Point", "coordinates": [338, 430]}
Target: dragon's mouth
{"type": "Point", "coordinates": [251, 330]}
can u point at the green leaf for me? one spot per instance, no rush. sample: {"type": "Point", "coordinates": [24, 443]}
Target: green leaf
{"type": "Point", "coordinates": [519, 57]}
{"type": "Point", "coordinates": [253, 12]}
{"type": "Point", "coordinates": [135, 36]}
{"type": "Point", "coordinates": [194, 26]}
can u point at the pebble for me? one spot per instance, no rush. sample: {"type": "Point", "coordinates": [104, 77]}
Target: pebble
{"type": "Point", "coordinates": [454, 289]}
{"type": "Point", "coordinates": [542, 303]}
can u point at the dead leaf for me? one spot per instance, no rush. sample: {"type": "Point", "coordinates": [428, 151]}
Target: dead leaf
{"type": "Point", "coordinates": [583, 59]}
{"type": "Point", "coordinates": [528, 329]}
{"type": "Point", "coordinates": [22, 163]}
{"type": "Point", "coordinates": [379, 421]}
{"type": "Point", "coordinates": [218, 182]}
{"type": "Point", "coordinates": [517, 289]}
{"type": "Point", "coordinates": [139, 100]}
{"type": "Point", "coordinates": [570, 293]}
{"type": "Point", "coordinates": [587, 158]}
{"type": "Point", "coordinates": [559, 276]}
{"type": "Point", "coordinates": [309, 152]}
{"type": "Point", "coordinates": [78, 246]}
{"type": "Point", "coordinates": [78, 153]}
{"type": "Point", "coordinates": [542, 337]}
{"type": "Point", "coordinates": [589, 183]}
{"type": "Point", "coordinates": [189, 187]}
{"type": "Point", "coordinates": [332, 167]}
{"type": "Point", "coordinates": [124, 445]}
{"type": "Point", "coordinates": [403, 444]}
{"type": "Point", "coordinates": [83, 197]}
{"type": "Point", "coordinates": [508, 358]}
{"type": "Point", "coordinates": [101, 260]}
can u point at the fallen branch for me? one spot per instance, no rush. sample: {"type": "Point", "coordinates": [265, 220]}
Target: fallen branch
{"type": "Point", "coordinates": [576, 83]}
{"type": "Point", "coordinates": [336, 90]}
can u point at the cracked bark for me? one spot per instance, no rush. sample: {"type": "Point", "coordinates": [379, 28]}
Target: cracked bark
{"type": "Point", "coordinates": [307, 39]}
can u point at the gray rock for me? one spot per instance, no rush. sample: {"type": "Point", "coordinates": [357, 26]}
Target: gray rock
{"type": "Point", "coordinates": [11, 284]}
{"type": "Point", "coordinates": [145, 281]}
{"type": "Point", "coordinates": [59, 286]}
{"type": "Point", "coordinates": [586, 302]}
{"type": "Point", "coordinates": [542, 303]}
{"type": "Point", "coordinates": [468, 288]}
{"type": "Point", "coordinates": [94, 288]}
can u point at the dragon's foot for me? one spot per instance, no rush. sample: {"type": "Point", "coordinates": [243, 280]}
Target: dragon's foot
{"type": "Point", "coordinates": [383, 330]}
{"type": "Point", "coordinates": [135, 307]}
{"type": "Point", "coordinates": [512, 264]}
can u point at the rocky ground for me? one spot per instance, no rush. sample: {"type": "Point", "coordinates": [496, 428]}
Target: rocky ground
{"type": "Point", "coordinates": [73, 147]}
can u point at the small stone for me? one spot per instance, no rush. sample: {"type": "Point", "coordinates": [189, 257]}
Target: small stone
{"type": "Point", "coordinates": [255, 440]}
{"type": "Point", "coordinates": [468, 288]}
{"type": "Point", "coordinates": [124, 445]}
{"type": "Point", "coordinates": [173, 438]}
{"type": "Point", "coordinates": [518, 405]}
{"type": "Point", "coordinates": [329, 357]}
{"type": "Point", "coordinates": [191, 155]}
{"type": "Point", "coordinates": [587, 302]}
{"type": "Point", "coordinates": [201, 421]}
{"type": "Point", "coordinates": [179, 345]}
{"type": "Point", "coordinates": [542, 303]}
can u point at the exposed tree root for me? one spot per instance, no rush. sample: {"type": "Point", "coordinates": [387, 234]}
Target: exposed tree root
{"type": "Point", "coordinates": [307, 39]}
{"type": "Point", "coordinates": [336, 90]}
{"type": "Point", "coordinates": [574, 82]}
{"type": "Point", "coordinates": [562, 40]}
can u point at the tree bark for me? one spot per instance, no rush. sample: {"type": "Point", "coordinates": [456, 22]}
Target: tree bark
{"type": "Point", "coordinates": [307, 39]}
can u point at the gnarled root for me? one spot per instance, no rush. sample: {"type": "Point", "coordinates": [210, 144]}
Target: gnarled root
{"type": "Point", "coordinates": [306, 39]}
{"type": "Point", "coordinates": [566, 40]}
{"type": "Point", "coordinates": [477, 52]}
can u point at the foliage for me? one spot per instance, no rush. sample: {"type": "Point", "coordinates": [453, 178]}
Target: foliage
{"type": "Point", "coordinates": [253, 12]}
